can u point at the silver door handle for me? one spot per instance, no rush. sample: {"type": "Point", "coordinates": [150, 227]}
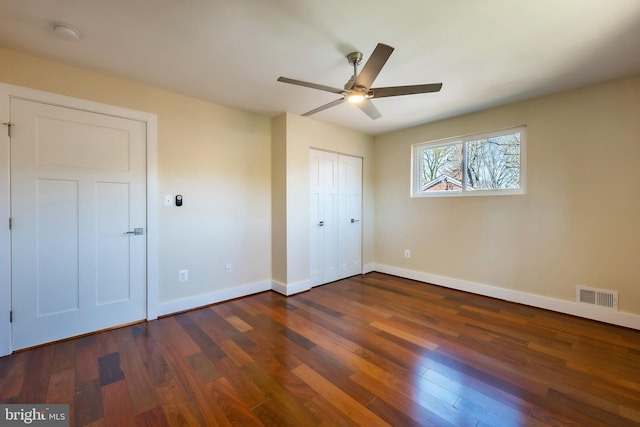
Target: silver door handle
{"type": "Point", "coordinates": [321, 223]}
{"type": "Point", "coordinates": [135, 232]}
{"type": "Point", "coordinates": [354, 220]}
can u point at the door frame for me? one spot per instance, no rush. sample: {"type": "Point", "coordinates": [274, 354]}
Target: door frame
{"type": "Point", "coordinates": [7, 92]}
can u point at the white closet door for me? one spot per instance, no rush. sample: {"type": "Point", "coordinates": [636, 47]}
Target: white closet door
{"type": "Point", "coordinates": [335, 199]}
{"type": "Point", "coordinates": [350, 215]}
{"type": "Point", "coordinates": [324, 215]}
{"type": "Point", "coordinates": [316, 237]}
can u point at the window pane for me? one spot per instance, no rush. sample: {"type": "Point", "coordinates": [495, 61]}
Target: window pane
{"type": "Point", "coordinates": [441, 168]}
{"type": "Point", "coordinates": [493, 163]}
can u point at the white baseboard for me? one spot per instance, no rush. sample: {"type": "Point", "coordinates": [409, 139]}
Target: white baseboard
{"type": "Point", "coordinates": [209, 298]}
{"type": "Point", "coordinates": [368, 268]}
{"type": "Point", "coordinates": [619, 318]}
{"type": "Point", "coordinates": [291, 288]}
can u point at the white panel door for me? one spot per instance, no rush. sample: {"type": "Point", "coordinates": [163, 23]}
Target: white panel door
{"type": "Point", "coordinates": [349, 216]}
{"type": "Point", "coordinates": [335, 200]}
{"type": "Point", "coordinates": [324, 217]}
{"type": "Point", "coordinates": [77, 188]}
{"type": "Point", "coordinates": [316, 237]}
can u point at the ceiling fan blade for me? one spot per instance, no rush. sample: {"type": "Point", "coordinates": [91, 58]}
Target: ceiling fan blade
{"type": "Point", "coordinates": [324, 107]}
{"type": "Point", "coordinates": [373, 66]}
{"type": "Point", "coordinates": [311, 85]}
{"type": "Point", "coordinates": [370, 109]}
{"type": "Point", "coordinates": [383, 92]}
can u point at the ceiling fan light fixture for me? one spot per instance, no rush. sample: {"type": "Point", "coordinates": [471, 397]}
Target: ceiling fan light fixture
{"type": "Point", "coordinates": [359, 94]}
{"type": "Point", "coordinates": [355, 98]}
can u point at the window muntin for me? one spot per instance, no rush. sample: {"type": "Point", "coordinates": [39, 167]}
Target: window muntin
{"type": "Point", "coordinates": [483, 164]}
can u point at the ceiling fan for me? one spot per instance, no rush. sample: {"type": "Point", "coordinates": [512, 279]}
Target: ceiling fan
{"type": "Point", "coordinates": [358, 89]}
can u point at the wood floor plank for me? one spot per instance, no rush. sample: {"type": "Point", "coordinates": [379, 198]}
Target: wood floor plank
{"type": "Point", "coordinates": [369, 350]}
{"type": "Point", "coordinates": [61, 387]}
{"type": "Point", "coordinates": [234, 407]}
{"type": "Point", "coordinates": [238, 323]}
{"type": "Point", "coordinates": [243, 385]}
{"type": "Point", "coordinates": [151, 356]}
{"type": "Point", "coordinates": [107, 344]}
{"type": "Point", "coordinates": [176, 405]}
{"type": "Point", "coordinates": [154, 417]}
{"type": "Point", "coordinates": [36, 384]}
{"type": "Point", "coordinates": [167, 329]}
{"type": "Point", "coordinates": [86, 363]}
{"type": "Point", "coordinates": [342, 401]}
{"type": "Point", "coordinates": [204, 343]}
{"type": "Point", "coordinates": [499, 419]}
{"type": "Point", "coordinates": [87, 406]}
{"type": "Point", "coordinates": [237, 354]}
{"type": "Point", "coordinates": [203, 368]}
{"type": "Point", "coordinates": [326, 412]}
{"type": "Point", "coordinates": [14, 372]}
{"type": "Point", "coordinates": [139, 383]}
{"type": "Point", "coordinates": [281, 407]}
{"type": "Point", "coordinates": [117, 406]}
{"type": "Point", "coordinates": [403, 333]}
{"type": "Point", "coordinates": [65, 355]}
{"type": "Point", "coordinates": [632, 414]}
{"type": "Point", "coordinates": [109, 368]}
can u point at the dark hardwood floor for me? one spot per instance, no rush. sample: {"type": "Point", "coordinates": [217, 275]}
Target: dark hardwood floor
{"type": "Point", "coordinates": [371, 350]}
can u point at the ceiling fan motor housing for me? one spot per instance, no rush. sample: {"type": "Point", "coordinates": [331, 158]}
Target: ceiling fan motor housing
{"type": "Point", "coordinates": [354, 58]}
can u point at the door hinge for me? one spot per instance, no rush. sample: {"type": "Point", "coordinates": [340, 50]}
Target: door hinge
{"type": "Point", "coordinates": [11, 316]}
{"type": "Point", "coordinates": [10, 223]}
{"type": "Point", "coordinates": [8, 124]}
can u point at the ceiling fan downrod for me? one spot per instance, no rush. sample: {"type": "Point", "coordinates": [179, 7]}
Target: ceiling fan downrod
{"type": "Point", "coordinates": [354, 58]}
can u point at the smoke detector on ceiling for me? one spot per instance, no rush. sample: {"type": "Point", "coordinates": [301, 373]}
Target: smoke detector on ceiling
{"type": "Point", "coordinates": [66, 31]}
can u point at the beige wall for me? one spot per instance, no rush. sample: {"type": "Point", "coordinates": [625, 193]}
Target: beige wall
{"type": "Point", "coordinates": [576, 225]}
{"type": "Point", "coordinates": [217, 158]}
{"type": "Point", "coordinates": [279, 199]}
{"type": "Point", "coordinates": [301, 134]}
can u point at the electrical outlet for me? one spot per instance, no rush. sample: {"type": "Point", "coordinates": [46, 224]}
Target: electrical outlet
{"type": "Point", "coordinates": [227, 268]}
{"type": "Point", "coordinates": [183, 275]}
{"type": "Point", "coordinates": [407, 253]}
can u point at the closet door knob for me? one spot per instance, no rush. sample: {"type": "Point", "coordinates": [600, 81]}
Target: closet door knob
{"type": "Point", "coordinates": [321, 223]}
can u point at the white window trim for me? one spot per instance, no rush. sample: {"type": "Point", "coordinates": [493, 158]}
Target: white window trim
{"type": "Point", "coordinates": [415, 164]}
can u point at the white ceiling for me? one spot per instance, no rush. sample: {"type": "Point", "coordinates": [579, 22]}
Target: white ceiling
{"type": "Point", "coordinates": [230, 52]}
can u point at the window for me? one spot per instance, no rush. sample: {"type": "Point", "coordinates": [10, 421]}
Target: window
{"type": "Point", "coordinates": [485, 164]}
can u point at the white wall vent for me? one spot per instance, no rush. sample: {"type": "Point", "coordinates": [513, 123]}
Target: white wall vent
{"type": "Point", "coordinates": [599, 297]}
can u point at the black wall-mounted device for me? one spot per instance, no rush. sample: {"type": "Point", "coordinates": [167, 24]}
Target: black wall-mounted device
{"type": "Point", "coordinates": [178, 200]}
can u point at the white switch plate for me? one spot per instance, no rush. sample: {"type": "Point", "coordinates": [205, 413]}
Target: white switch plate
{"type": "Point", "coordinates": [168, 200]}
{"type": "Point", "coordinates": [227, 268]}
